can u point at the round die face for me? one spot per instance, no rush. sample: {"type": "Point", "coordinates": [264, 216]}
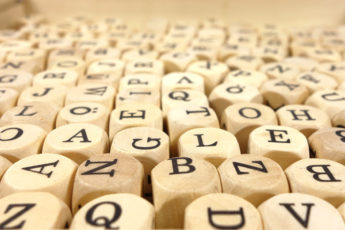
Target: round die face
{"type": "Point", "coordinates": [44, 170]}
{"type": "Point", "coordinates": [77, 141]}
{"type": "Point", "coordinates": [330, 101]}
{"type": "Point", "coordinates": [185, 174]}
{"type": "Point", "coordinates": [149, 144]}
{"type": "Point", "coordinates": [254, 178]}
{"type": "Point", "coordinates": [212, 144]}
{"type": "Point", "coordinates": [319, 177]}
{"type": "Point", "coordinates": [15, 79]}
{"type": "Point", "coordinates": [304, 118]}
{"type": "Point", "coordinates": [38, 210]}
{"type": "Point", "coordinates": [20, 140]}
{"type": "Point", "coordinates": [83, 112]}
{"type": "Point", "coordinates": [249, 77]}
{"type": "Point", "coordinates": [283, 144]}
{"type": "Point", "coordinates": [219, 210]}
{"type": "Point", "coordinates": [299, 211]}
{"type": "Point", "coordinates": [117, 172]}
{"type": "Point", "coordinates": [181, 80]}
{"type": "Point", "coordinates": [117, 211]}
{"type": "Point", "coordinates": [147, 81]}
{"type": "Point", "coordinates": [66, 78]}
{"type": "Point", "coordinates": [280, 71]}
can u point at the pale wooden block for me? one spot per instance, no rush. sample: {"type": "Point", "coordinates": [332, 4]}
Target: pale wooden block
{"type": "Point", "coordinates": [338, 120]}
{"type": "Point", "coordinates": [34, 210]}
{"type": "Point", "coordinates": [302, 63]}
{"type": "Point", "coordinates": [118, 211]}
{"type": "Point", "coordinates": [319, 177]}
{"type": "Point", "coordinates": [270, 53]}
{"type": "Point", "coordinates": [107, 66]}
{"type": "Point", "coordinates": [75, 36]}
{"type": "Point", "coordinates": [106, 174]}
{"type": "Point", "coordinates": [336, 43]}
{"type": "Point", "coordinates": [54, 94]}
{"type": "Point", "coordinates": [233, 49]}
{"type": "Point", "coordinates": [283, 144]}
{"type": "Point", "coordinates": [49, 172]}
{"type": "Point", "coordinates": [181, 81]}
{"type": "Point", "coordinates": [275, 41]}
{"type": "Point", "coordinates": [212, 144]}
{"type": "Point", "coordinates": [14, 79]}
{"type": "Point", "coordinates": [248, 40]}
{"type": "Point", "coordinates": [246, 77]}
{"type": "Point", "coordinates": [15, 45]}
{"type": "Point", "coordinates": [304, 48]}
{"type": "Point", "coordinates": [315, 81]}
{"type": "Point", "coordinates": [229, 93]}
{"type": "Point", "coordinates": [37, 36]}
{"type": "Point", "coordinates": [221, 211]}
{"type": "Point", "coordinates": [29, 66]}
{"type": "Point", "coordinates": [66, 53]}
{"type": "Point", "coordinates": [242, 118]}
{"type": "Point", "coordinates": [177, 98]}
{"type": "Point", "coordinates": [51, 44]}
{"type": "Point", "coordinates": [70, 63]}
{"type": "Point", "coordinates": [148, 37]}
{"type": "Point", "coordinates": [247, 175]}
{"type": "Point", "coordinates": [176, 61]}
{"type": "Point", "coordinates": [140, 54]}
{"type": "Point", "coordinates": [335, 70]}
{"type": "Point", "coordinates": [131, 44]}
{"type": "Point", "coordinates": [77, 141]}
{"type": "Point", "coordinates": [148, 145]}
{"type": "Point", "coordinates": [323, 55]}
{"type": "Point", "coordinates": [280, 70]}
{"type": "Point", "coordinates": [134, 115]}
{"type": "Point", "coordinates": [113, 37]}
{"type": "Point", "coordinates": [84, 112]}
{"type": "Point", "coordinates": [145, 81]}
{"type": "Point", "coordinates": [36, 113]}
{"type": "Point", "coordinates": [112, 79]}
{"type": "Point", "coordinates": [101, 53]}
{"type": "Point", "coordinates": [182, 119]}
{"type": "Point", "coordinates": [328, 143]}
{"type": "Point", "coordinates": [204, 52]}
{"type": "Point", "coordinates": [176, 183]}
{"type": "Point", "coordinates": [89, 44]}
{"type": "Point", "coordinates": [95, 92]}
{"type": "Point", "coordinates": [138, 95]}
{"type": "Point", "coordinates": [184, 27]}
{"type": "Point", "coordinates": [56, 77]}
{"type": "Point", "coordinates": [21, 140]}
{"type": "Point", "coordinates": [213, 72]}
{"type": "Point", "coordinates": [307, 119]}
{"type": "Point", "coordinates": [292, 211]}
{"type": "Point", "coordinates": [148, 66]}
{"type": "Point", "coordinates": [208, 41]}
{"type": "Point", "coordinates": [95, 28]}
{"type": "Point", "coordinates": [329, 101]}
{"type": "Point", "coordinates": [169, 46]}
{"type": "Point", "coordinates": [278, 93]}
{"type": "Point", "coordinates": [36, 55]}
{"type": "Point", "coordinates": [250, 62]}
{"type": "Point", "coordinates": [4, 165]}
{"type": "Point", "coordinates": [8, 99]}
